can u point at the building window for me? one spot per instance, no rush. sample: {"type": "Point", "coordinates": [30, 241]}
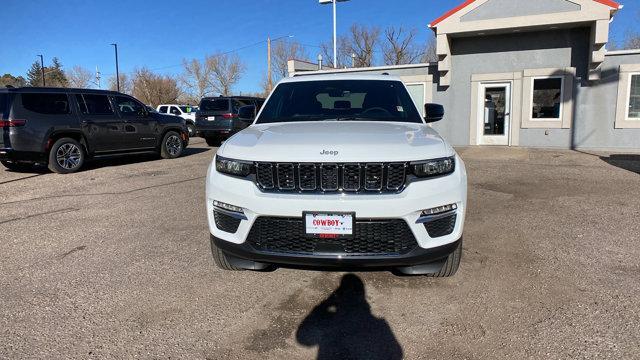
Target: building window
{"type": "Point", "coordinates": [547, 98]}
{"type": "Point", "coordinates": [634, 97]}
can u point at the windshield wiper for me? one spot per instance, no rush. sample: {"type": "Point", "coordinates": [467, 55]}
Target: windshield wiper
{"type": "Point", "coordinates": [356, 118]}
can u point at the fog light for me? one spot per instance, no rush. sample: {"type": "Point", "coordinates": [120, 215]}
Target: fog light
{"type": "Point", "coordinates": [440, 209]}
{"type": "Point", "coordinates": [228, 207]}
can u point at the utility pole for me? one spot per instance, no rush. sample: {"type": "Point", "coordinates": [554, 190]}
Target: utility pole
{"type": "Point", "coordinates": [42, 68]}
{"type": "Point", "coordinates": [117, 70]}
{"type": "Point", "coordinates": [269, 81]}
{"type": "Point", "coordinates": [269, 78]}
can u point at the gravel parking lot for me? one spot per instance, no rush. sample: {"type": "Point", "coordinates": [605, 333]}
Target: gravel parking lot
{"type": "Point", "coordinates": [114, 262]}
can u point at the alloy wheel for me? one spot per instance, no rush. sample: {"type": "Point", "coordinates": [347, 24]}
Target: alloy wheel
{"type": "Point", "coordinates": [174, 145]}
{"type": "Point", "coordinates": [68, 156]}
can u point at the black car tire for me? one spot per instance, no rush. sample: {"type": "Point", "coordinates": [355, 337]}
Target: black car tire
{"type": "Point", "coordinates": [213, 140]}
{"type": "Point", "coordinates": [16, 166]}
{"type": "Point", "coordinates": [452, 264]}
{"type": "Point", "coordinates": [191, 129]}
{"type": "Point", "coordinates": [66, 156]}
{"type": "Point", "coordinates": [172, 145]}
{"type": "Point", "coordinates": [221, 260]}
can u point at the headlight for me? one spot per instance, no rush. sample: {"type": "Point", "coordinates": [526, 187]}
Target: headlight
{"type": "Point", "coordinates": [233, 167]}
{"type": "Point", "coordinates": [432, 168]}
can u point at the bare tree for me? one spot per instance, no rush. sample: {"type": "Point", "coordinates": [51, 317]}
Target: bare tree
{"type": "Point", "coordinates": [79, 77]}
{"type": "Point", "coordinates": [281, 53]}
{"type": "Point", "coordinates": [431, 51]}
{"type": "Point", "coordinates": [226, 72]}
{"type": "Point", "coordinates": [197, 79]}
{"type": "Point", "coordinates": [154, 89]}
{"type": "Point", "coordinates": [400, 47]}
{"type": "Point", "coordinates": [362, 42]}
{"type": "Point", "coordinates": [632, 40]}
{"type": "Point", "coordinates": [126, 86]}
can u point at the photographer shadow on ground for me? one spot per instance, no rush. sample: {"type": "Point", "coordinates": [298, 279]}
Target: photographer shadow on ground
{"type": "Point", "coordinates": [343, 327]}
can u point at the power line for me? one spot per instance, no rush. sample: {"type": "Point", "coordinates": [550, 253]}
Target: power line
{"type": "Point", "coordinates": [204, 58]}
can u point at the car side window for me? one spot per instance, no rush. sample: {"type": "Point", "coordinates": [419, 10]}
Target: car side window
{"type": "Point", "coordinates": [127, 106]}
{"type": "Point", "coordinates": [163, 109]}
{"type": "Point", "coordinates": [94, 104]}
{"type": "Point", "coordinates": [175, 111]}
{"type": "Point", "coordinates": [50, 104]}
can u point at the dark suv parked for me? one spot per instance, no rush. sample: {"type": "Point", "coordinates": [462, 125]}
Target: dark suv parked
{"type": "Point", "coordinates": [64, 127]}
{"type": "Point", "coordinates": [217, 117]}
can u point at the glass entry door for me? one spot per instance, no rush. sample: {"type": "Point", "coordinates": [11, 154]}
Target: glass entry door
{"type": "Point", "coordinates": [494, 113]}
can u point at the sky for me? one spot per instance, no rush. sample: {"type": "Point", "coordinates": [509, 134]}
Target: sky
{"type": "Point", "coordinates": [160, 34]}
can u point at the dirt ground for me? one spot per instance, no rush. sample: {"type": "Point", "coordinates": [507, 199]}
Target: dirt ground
{"type": "Point", "coordinates": [114, 262]}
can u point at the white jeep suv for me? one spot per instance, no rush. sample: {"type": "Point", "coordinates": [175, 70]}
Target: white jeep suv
{"type": "Point", "coordinates": [338, 171]}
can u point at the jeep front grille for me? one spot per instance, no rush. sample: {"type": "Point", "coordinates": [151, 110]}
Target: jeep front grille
{"type": "Point", "coordinates": [331, 177]}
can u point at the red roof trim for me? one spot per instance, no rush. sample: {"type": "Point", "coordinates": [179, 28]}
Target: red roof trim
{"type": "Point", "coordinates": [449, 13]}
{"type": "Point", "coordinates": [609, 3]}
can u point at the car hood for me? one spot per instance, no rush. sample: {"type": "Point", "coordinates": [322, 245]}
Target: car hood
{"type": "Point", "coordinates": [333, 141]}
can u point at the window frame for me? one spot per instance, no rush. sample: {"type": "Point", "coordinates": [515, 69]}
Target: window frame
{"type": "Point", "coordinates": [628, 97]}
{"type": "Point", "coordinates": [623, 98]}
{"type": "Point", "coordinates": [562, 94]}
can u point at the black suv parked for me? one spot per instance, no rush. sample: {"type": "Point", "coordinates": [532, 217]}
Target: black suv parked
{"type": "Point", "coordinates": [64, 127]}
{"type": "Point", "coordinates": [217, 117]}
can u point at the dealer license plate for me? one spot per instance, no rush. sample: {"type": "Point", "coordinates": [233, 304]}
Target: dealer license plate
{"type": "Point", "coordinates": [328, 225]}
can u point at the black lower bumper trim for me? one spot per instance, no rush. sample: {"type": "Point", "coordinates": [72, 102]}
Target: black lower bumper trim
{"type": "Point", "coordinates": [21, 156]}
{"type": "Point", "coordinates": [419, 256]}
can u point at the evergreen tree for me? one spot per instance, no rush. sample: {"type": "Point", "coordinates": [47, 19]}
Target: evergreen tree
{"type": "Point", "coordinates": [34, 75]}
{"type": "Point", "coordinates": [54, 75]}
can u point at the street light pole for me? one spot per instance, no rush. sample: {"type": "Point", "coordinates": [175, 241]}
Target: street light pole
{"type": "Point", "coordinates": [42, 69]}
{"type": "Point", "coordinates": [117, 69]}
{"type": "Point", "coordinates": [335, 37]}
{"type": "Point", "coordinates": [335, 31]}
{"type": "Point", "coordinates": [269, 81]}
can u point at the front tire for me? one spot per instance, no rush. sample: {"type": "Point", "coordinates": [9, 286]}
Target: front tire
{"type": "Point", "coordinates": [66, 156]}
{"type": "Point", "coordinates": [15, 166]}
{"type": "Point", "coordinates": [172, 145]}
{"type": "Point", "coordinates": [452, 264]}
{"type": "Point", "coordinates": [221, 260]}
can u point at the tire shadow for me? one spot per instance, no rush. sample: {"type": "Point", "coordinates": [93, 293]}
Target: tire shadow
{"type": "Point", "coordinates": [343, 327]}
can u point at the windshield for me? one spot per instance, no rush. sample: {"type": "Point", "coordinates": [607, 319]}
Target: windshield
{"type": "Point", "coordinates": [186, 109]}
{"type": "Point", "coordinates": [340, 100]}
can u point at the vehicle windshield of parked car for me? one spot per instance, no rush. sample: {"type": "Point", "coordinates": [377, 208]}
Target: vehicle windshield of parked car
{"type": "Point", "coordinates": [340, 100]}
{"type": "Point", "coordinates": [214, 105]}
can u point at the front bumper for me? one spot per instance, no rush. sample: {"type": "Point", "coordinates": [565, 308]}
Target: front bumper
{"type": "Point", "coordinates": [418, 261]}
{"type": "Point", "coordinates": [406, 205]}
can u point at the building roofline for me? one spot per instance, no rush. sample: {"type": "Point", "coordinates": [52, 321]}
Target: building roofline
{"type": "Point", "coordinates": [612, 4]}
{"type": "Point", "coordinates": [623, 52]}
{"type": "Point", "coordinates": [370, 68]}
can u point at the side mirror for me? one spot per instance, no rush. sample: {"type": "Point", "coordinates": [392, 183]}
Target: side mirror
{"type": "Point", "coordinates": [433, 112]}
{"type": "Point", "coordinates": [247, 112]}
